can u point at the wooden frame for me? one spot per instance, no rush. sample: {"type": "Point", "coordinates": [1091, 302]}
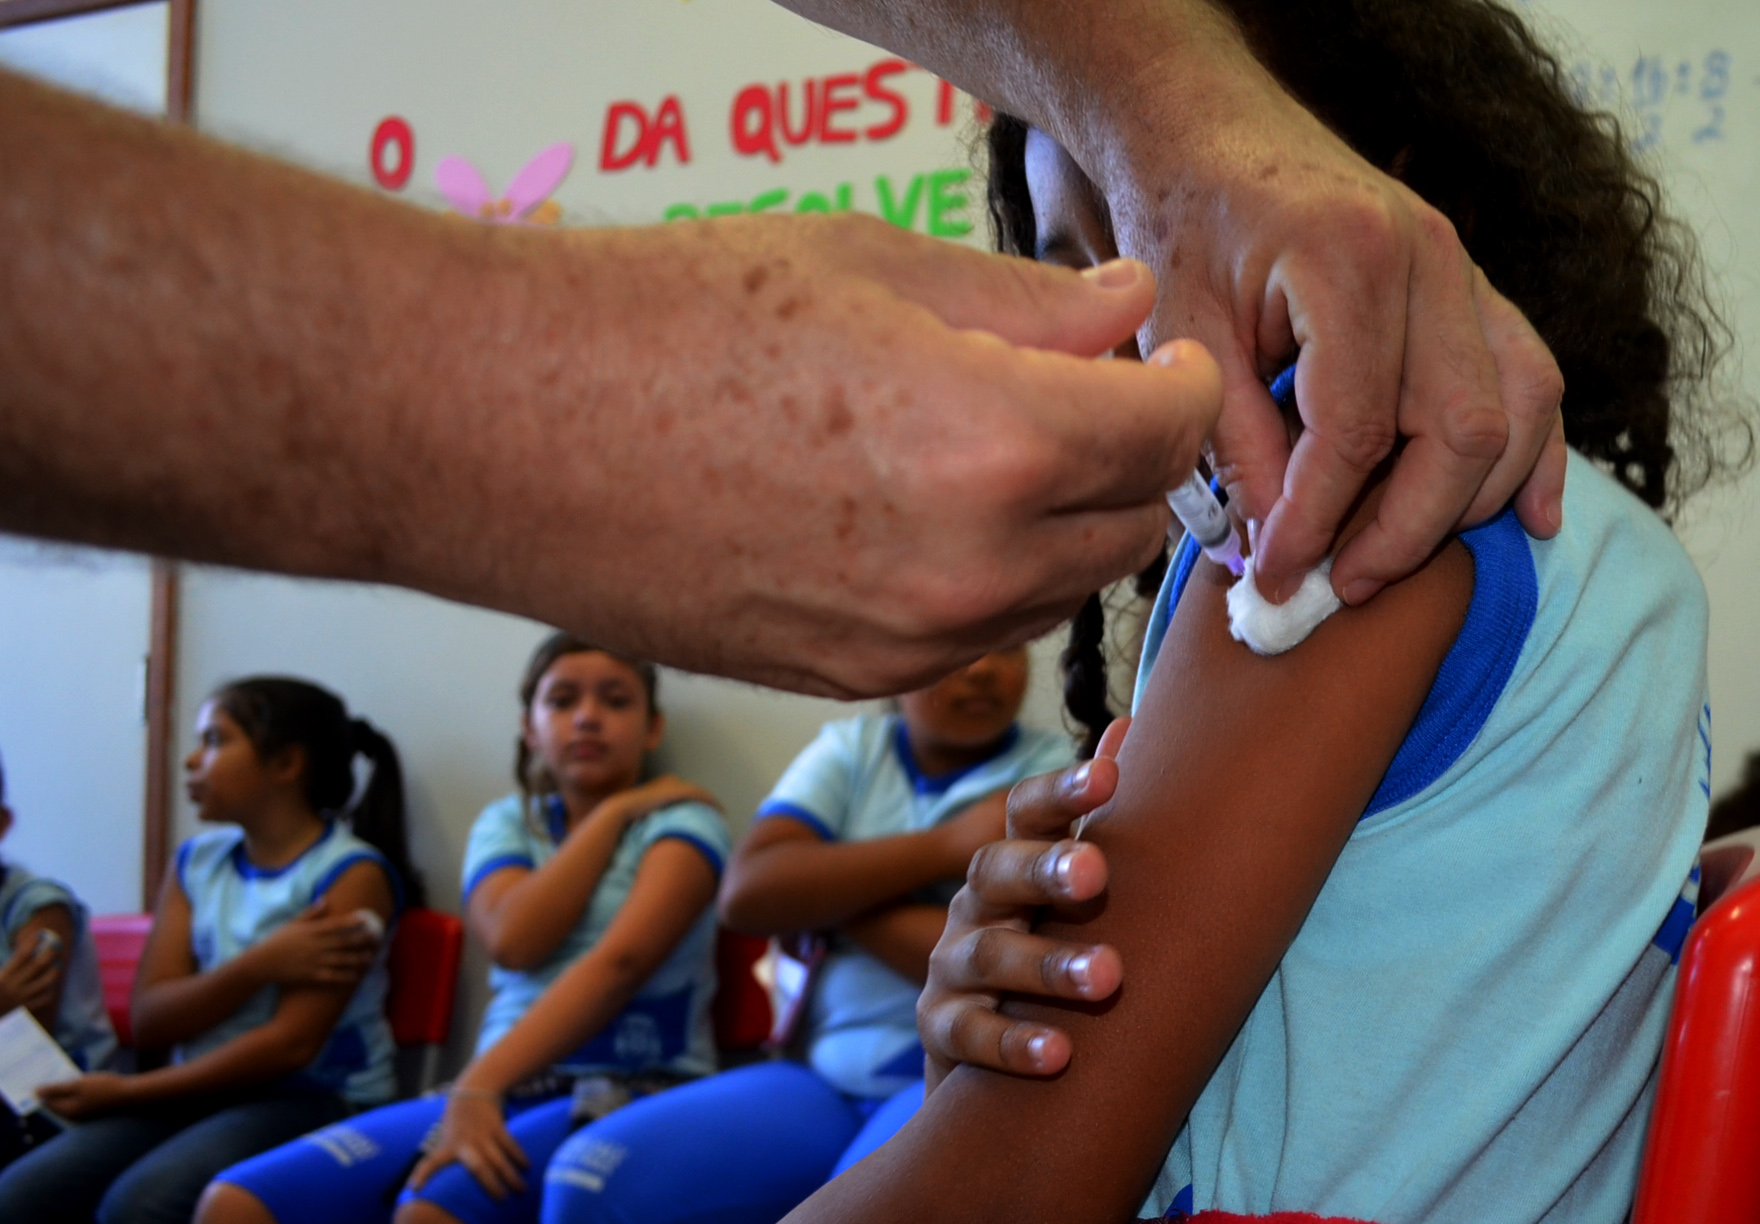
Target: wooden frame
{"type": "Point", "coordinates": [161, 695]}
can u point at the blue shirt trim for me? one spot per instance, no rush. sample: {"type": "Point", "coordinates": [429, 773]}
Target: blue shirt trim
{"type": "Point", "coordinates": [708, 851]}
{"type": "Point", "coordinates": [778, 807]}
{"type": "Point", "coordinates": [556, 817]}
{"type": "Point", "coordinates": [940, 784]}
{"type": "Point", "coordinates": [1506, 594]}
{"type": "Point", "coordinates": [241, 862]}
{"type": "Point", "coordinates": [493, 865]}
{"type": "Point", "coordinates": [1671, 936]}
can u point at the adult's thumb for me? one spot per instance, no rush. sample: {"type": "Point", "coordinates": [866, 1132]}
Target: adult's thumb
{"type": "Point", "coordinates": [1034, 305]}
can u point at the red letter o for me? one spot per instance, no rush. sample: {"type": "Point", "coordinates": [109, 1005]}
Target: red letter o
{"type": "Point", "coordinates": [392, 132]}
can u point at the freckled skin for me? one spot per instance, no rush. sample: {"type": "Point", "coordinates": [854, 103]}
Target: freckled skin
{"type": "Point", "coordinates": [569, 425]}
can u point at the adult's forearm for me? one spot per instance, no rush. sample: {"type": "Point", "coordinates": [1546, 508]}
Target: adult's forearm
{"type": "Point", "coordinates": [1072, 69]}
{"type": "Point", "coordinates": [214, 355]}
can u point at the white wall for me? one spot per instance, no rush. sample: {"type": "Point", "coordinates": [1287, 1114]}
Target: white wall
{"type": "Point", "coordinates": [73, 622]}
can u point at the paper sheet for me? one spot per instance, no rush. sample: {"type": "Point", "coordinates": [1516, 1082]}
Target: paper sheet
{"type": "Point", "coordinates": [29, 1058]}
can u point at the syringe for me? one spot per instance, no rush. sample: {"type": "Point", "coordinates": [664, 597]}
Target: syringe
{"type": "Point", "coordinates": [1203, 516]}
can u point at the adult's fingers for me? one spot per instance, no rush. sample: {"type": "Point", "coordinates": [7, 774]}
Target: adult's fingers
{"type": "Point", "coordinates": [1123, 432]}
{"type": "Point", "coordinates": [1450, 411]}
{"type": "Point", "coordinates": [961, 1029]}
{"type": "Point", "coordinates": [1349, 314]}
{"type": "Point", "coordinates": [1027, 303]}
{"type": "Point", "coordinates": [1017, 873]}
{"type": "Point", "coordinates": [1532, 388]}
{"type": "Point", "coordinates": [995, 959]}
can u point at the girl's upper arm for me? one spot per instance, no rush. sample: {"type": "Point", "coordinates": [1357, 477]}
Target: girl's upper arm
{"type": "Point", "coordinates": [1240, 781]}
{"type": "Point", "coordinates": [484, 900]}
{"type": "Point", "coordinates": [308, 1013]}
{"type": "Point", "coordinates": [169, 952]}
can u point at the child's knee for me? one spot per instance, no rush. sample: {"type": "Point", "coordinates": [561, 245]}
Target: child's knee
{"type": "Point", "coordinates": [225, 1203]}
{"type": "Point", "coordinates": [420, 1211]}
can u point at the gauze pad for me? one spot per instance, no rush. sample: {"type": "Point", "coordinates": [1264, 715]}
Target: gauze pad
{"type": "Point", "coordinates": [1270, 628]}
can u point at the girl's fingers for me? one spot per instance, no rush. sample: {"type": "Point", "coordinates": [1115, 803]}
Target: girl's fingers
{"type": "Point", "coordinates": [1046, 806]}
{"type": "Point", "coordinates": [426, 1167]}
{"type": "Point", "coordinates": [486, 1175]}
{"type": "Point", "coordinates": [1008, 874]}
{"type": "Point", "coordinates": [963, 1030]}
{"type": "Point", "coordinates": [995, 960]}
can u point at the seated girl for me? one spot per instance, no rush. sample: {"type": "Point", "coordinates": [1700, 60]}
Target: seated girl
{"type": "Point", "coordinates": [264, 971]}
{"type": "Point", "coordinates": [591, 893]}
{"type": "Point", "coordinates": [865, 838]}
{"type": "Point", "coordinates": [49, 967]}
{"type": "Point", "coordinates": [1396, 911]}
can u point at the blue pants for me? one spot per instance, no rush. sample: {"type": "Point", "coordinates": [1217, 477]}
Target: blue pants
{"type": "Point", "coordinates": [353, 1172]}
{"type": "Point", "coordinates": [149, 1166]}
{"type": "Point", "coordinates": [743, 1147]}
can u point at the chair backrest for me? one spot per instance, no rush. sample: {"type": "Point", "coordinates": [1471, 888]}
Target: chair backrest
{"type": "Point", "coordinates": [1700, 1163]}
{"type": "Point", "coordinates": [425, 954]}
{"type": "Point", "coordinates": [1726, 864]}
{"type": "Point", "coordinates": [121, 939]}
{"type": "Point", "coordinates": [742, 1004]}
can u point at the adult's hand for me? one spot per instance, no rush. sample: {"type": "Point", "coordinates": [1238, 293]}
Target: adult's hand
{"type": "Point", "coordinates": [987, 947]}
{"type": "Point", "coordinates": [1269, 233]}
{"type": "Point", "coordinates": [818, 453]}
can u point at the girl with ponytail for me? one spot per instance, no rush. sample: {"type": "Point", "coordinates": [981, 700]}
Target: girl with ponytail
{"type": "Point", "coordinates": [590, 888]}
{"type": "Point", "coordinates": [264, 973]}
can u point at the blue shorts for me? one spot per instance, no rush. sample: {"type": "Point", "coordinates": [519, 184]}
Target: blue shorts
{"type": "Point", "coordinates": [353, 1172]}
{"type": "Point", "coordinates": [742, 1147]}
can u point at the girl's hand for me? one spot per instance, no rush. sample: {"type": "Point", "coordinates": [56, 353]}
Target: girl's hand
{"type": "Point", "coordinates": [474, 1134]}
{"type": "Point", "coordinates": [28, 980]}
{"type": "Point", "coordinates": [987, 947]}
{"type": "Point", "coordinates": [89, 1096]}
{"type": "Point", "coordinates": [317, 949]}
{"type": "Point", "coordinates": [640, 802]}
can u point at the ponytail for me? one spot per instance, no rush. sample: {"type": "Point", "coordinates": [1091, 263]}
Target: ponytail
{"type": "Point", "coordinates": [1087, 693]}
{"type": "Point", "coordinates": [277, 712]}
{"type": "Point", "coordinates": [377, 814]}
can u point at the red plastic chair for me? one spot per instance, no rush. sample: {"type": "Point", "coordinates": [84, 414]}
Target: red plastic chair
{"type": "Point", "coordinates": [121, 940]}
{"type": "Point", "coordinates": [425, 955]}
{"type": "Point", "coordinates": [742, 1004]}
{"type": "Point", "coordinates": [1702, 1158]}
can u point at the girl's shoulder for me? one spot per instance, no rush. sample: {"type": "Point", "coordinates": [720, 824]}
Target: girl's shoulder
{"type": "Point", "coordinates": [207, 850]}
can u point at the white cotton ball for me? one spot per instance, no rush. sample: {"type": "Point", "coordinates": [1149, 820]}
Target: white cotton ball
{"type": "Point", "coordinates": [371, 923]}
{"type": "Point", "coordinates": [1270, 628]}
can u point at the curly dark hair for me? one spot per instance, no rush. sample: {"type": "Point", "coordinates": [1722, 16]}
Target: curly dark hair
{"type": "Point", "coordinates": [1462, 102]}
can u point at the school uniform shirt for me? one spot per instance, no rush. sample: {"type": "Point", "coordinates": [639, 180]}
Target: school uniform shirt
{"type": "Point", "coordinates": [857, 781]}
{"type": "Point", "coordinates": [82, 1025]}
{"type": "Point", "coordinates": [667, 1026]}
{"type": "Point", "coordinates": [1468, 1025]}
{"type": "Point", "coordinates": [235, 904]}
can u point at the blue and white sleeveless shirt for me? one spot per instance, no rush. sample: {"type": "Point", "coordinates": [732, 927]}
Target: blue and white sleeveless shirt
{"type": "Point", "coordinates": [667, 1026]}
{"type": "Point", "coordinates": [82, 1025]}
{"type": "Point", "coordinates": [856, 781]}
{"type": "Point", "coordinates": [1468, 1025]}
{"type": "Point", "coordinates": [235, 904]}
